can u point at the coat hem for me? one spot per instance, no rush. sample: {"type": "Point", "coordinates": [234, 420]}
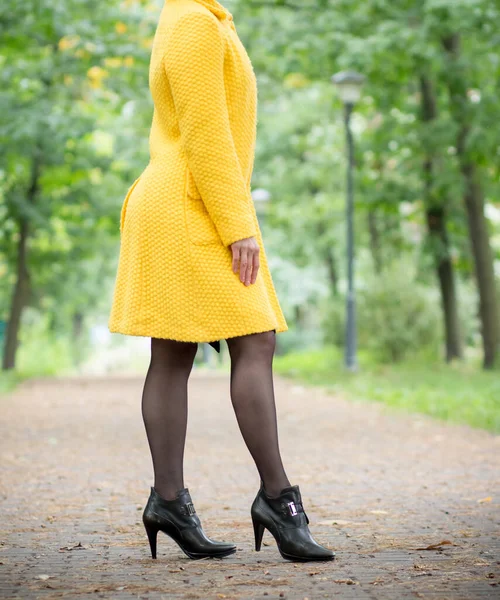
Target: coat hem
{"type": "Point", "coordinates": [137, 333]}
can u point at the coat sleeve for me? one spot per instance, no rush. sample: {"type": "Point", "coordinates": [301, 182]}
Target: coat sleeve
{"type": "Point", "coordinates": [194, 64]}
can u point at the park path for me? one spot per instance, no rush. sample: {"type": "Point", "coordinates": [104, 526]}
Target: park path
{"type": "Point", "coordinates": [378, 487]}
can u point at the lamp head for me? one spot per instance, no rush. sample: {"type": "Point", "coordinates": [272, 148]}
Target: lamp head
{"type": "Point", "coordinates": [349, 84]}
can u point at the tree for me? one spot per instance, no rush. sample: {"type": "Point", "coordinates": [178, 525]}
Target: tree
{"type": "Point", "coordinates": [59, 181]}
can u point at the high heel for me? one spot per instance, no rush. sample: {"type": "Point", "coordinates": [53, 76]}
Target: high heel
{"type": "Point", "coordinates": [152, 537]}
{"type": "Point", "coordinates": [285, 518]}
{"type": "Point", "coordinates": [178, 519]}
{"type": "Point", "coordinates": [258, 530]}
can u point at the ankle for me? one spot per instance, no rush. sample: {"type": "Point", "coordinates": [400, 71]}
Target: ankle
{"type": "Point", "coordinates": [167, 492]}
{"type": "Point", "coordinates": [273, 489]}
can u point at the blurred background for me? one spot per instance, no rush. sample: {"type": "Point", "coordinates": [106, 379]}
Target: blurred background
{"type": "Point", "coordinates": [75, 112]}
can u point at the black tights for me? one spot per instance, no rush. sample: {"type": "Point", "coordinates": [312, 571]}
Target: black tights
{"type": "Point", "coordinates": [165, 408]}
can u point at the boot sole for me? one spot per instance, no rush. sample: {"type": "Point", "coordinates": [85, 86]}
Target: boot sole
{"type": "Point", "coordinates": [287, 556]}
{"type": "Point", "coordinates": [301, 559]}
{"type": "Point", "coordinates": [198, 556]}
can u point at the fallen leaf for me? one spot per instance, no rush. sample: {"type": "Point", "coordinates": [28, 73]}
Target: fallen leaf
{"type": "Point", "coordinates": [378, 512]}
{"type": "Point", "coordinates": [421, 567]}
{"type": "Point", "coordinates": [43, 577]}
{"type": "Point", "coordinates": [78, 546]}
{"type": "Point", "coordinates": [436, 546]}
{"type": "Point", "coordinates": [347, 581]}
{"type": "Point", "coordinates": [487, 499]}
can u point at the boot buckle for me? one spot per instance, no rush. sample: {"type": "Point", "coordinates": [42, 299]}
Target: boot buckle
{"type": "Point", "coordinates": [189, 509]}
{"type": "Point", "coordinates": [292, 508]}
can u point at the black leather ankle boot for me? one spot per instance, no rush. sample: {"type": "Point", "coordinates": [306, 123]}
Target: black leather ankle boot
{"type": "Point", "coordinates": [178, 519]}
{"type": "Point", "coordinates": [285, 518]}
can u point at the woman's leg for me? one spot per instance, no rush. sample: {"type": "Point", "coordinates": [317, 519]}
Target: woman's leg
{"type": "Point", "coordinates": [252, 396]}
{"type": "Point", "coordinates": [165, 411]}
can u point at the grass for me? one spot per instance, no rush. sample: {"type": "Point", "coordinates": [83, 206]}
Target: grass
{"type": "Point", "coordinates": [9, 380]}
{"type": "Point", "coordinates": [459, 392]}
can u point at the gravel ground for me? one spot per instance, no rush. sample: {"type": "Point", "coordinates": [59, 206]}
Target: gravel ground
{"type": "Point", "coordinates": [409, 505]}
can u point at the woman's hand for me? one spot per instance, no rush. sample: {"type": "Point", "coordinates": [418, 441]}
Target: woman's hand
{"type": "Point", "coordinates": [246, 259]}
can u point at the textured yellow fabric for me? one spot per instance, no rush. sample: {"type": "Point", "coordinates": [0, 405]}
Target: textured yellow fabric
{"type": "Point", "coordinates": [178, 219]}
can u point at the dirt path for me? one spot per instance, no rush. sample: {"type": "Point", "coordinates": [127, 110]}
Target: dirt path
{"type": "Point", "coordinates": [378, 487]}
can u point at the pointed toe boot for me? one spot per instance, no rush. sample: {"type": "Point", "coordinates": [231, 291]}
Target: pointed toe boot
{"type": "Point", "coordinates": [178, 519]}
{"type": "Point", "coordinates": [285, 518]}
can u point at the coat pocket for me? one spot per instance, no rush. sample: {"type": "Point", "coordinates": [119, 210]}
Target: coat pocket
{"type": "Point", "coordinates": [125, 203]}
{"type": "Point", "coordinates": [201, 229]}
{"type": "Point", "coordinates": [191, 189]}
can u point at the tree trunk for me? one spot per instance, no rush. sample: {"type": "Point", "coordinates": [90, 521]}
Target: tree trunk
{"type": "Point", "coordinates": [19, 299]}
{"type": "Point", "coordinates": [21, 287]}
{"type": "Point", "coordinates": [77, 338]}
{"type": "Point", "coordinates": [446, 277]}
{"type": "Point", "coordinates": [436, 222]}
{"type": "Point", "coordinates": [331, 264]}
{"type": "Point", "coordinates": [77, 326]}
{"type": "Point", "coordinates": [330, 260]}
{"type": "Point", "coordinates": [483, 262]}
{"type": "Point", "coordinates": [374, 240]}
{"type": "Point", "coordinates": [474, 204]}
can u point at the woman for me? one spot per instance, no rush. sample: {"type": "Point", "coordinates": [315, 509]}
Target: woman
{"type": "Point", "coordinates": [193, 268]}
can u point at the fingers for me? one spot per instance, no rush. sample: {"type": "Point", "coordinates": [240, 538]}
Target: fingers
{"type": "Point", "coordinates": [236, 257]}
{"type": "Point", "coordinates": [255, 266]}
{"type": "Point", "coordinates": [246, 260]}
{"type": "Point", "coordinates": [244, 266]}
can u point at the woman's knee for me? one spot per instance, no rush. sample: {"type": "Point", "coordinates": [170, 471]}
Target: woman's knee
{"type": "Point", "coordinates": [260, 345]}
{"type": "Point", "coordinates": [173, 352]}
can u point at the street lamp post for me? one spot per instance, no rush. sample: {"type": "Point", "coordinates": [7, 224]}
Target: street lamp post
{"type": "Point", "coordinates": [349, 86]}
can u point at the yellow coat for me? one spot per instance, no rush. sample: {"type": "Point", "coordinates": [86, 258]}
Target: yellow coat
{"type": "Point", "coordinates": [192, 201]}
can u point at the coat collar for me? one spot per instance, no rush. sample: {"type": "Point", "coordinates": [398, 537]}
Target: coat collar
{"type": "Point", "coordinates": [216, 8]}
{"type": "Point", "coordinates": [221, 12]}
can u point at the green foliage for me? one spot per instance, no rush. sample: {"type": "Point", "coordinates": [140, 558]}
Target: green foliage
{"type": "Point", "coordinates": [43, 352]}
{"type": "Point", "coordinates": [301, 157]}
{"type": "Point", "coordinates": [397, 315]}
{"type": "Point", "coordinates": [8, 381]}
{"type": "Point", "coordinates": [333, 322]}
{"type": "Point", "coordinates": [72, 78]}
{"type": "Point", "coordinates": [456, 393]}
{"type": "Point", "coordinates": [75, 112]}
